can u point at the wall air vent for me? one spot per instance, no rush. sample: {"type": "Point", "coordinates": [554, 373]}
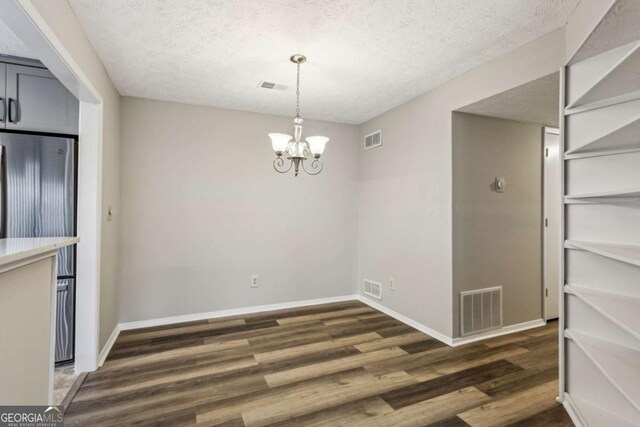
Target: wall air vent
{"type": "Point", "coordinates": [267, 85]}
{"type": "Point", "coordinates": [373, 289]}
{"type": "Point", "coordinates": [373, 140]}
{"type": "Point", "coordinates": [480, 310]}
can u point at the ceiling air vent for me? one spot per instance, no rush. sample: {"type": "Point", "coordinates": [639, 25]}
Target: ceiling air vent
{"type": "Point", "coordinates": [267, 85]}
{"type": "Point", "coordinates": [480, 310]}
{"type": "Point", "coordinates": [373, 289]}
{"type": "Point", "coordinates": [373, 140]}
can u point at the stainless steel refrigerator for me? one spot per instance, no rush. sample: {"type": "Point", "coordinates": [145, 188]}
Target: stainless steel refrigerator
{"type": "Point", "coordinates": [38, 199]}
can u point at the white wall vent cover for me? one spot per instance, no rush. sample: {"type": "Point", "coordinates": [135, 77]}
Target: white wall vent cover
{"type": "Point", "coordinates": [480, 310]}
{"type": "Point", "coordinates": [373, 140]}
{"type": "Point", "coordinates": [373, 289]}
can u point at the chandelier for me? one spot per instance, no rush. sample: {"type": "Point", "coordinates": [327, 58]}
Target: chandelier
{"type": "Point", "coordinates": [295, 149]}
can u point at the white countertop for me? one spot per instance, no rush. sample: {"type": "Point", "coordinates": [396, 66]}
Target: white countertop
{"type": "Point", "coordinates": [16, 249]}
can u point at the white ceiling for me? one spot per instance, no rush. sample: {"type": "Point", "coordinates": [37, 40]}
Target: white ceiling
{"type": "Point", "coordinates": [535, 102]}
{"type": "Point", "coordinates": [10, 44]}
{"type": "Point", "coordinates": [365, 56]}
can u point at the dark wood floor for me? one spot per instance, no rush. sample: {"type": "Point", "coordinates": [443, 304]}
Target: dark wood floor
{"type": "Point", "coordinates": [332, 365]}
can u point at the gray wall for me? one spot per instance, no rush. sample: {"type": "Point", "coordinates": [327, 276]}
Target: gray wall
{"type": "Point", "coordinates": [405, 202]}
{"type": "Point", "coordinates": [203, 210]}
{"type": "Point", "coordinates": [497, 237]}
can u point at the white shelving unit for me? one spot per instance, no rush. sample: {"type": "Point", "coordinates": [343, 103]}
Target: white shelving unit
{"type": "Point", "coordinates": [605, 129]}
{"type": "Point", "coordinates": [603, 103]}
{"type": "Point", "coordinates": [622, 310]}
{"type": "Point", "coordinates": [611, 75]}
{"type": "Point", "coordinates": [619, 252]}
{"type": "Point", "coordinates": [600, 333]}
{"type": "Point", "coordinates": [597, 416]}
{"type": "Point", "coordinates": [620, 364]}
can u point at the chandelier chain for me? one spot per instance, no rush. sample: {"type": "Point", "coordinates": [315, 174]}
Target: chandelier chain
{"type": "Point", "coordinates": [298, 92]}
{"type": "Point", "coordinates": [294, 148]}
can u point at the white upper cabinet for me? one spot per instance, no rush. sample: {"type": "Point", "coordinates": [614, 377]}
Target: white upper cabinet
{"type": "Point", "coordinates": [36, 101]}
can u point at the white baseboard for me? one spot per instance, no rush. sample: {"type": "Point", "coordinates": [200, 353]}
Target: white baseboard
{"type": "Point", "coordinates": [454, 342]}
{"type": "Point", "coordinates": [232, 312]}
{"type": "Point", "coordinates": [271, 307]}
{"type": "Point", "coordinates": [407, 321]}
{"type": "Point", "coordinates": [107, 347]}
{"type": "Point", "coordinates": [499, 332]}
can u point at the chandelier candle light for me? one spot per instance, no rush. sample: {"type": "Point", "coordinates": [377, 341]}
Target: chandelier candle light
{"type": "Point", "coordinates": [295, 149]}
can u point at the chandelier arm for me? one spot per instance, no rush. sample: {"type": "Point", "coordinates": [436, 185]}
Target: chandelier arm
{"type": "Point", "coordinates": [278, 162]}
{"type": "Point", "coordinates": [316, 167]}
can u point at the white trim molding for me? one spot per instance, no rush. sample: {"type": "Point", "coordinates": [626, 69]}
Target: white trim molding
{"type": "Point", "coordinates": [295, 304]}
{"type": "Point", "coordinates": [407, 321]}
{"type": "Point", "coordinates": [518, 327]}
{"type": "Point", "coordinates": [453, 342]}
{"type": "Point", "coordinates": [231, 312]}
{"type": "Point", "coordinates": [108, 345]}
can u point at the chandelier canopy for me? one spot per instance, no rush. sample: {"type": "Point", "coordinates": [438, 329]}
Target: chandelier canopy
{"type": "Point", "coordinates": [295, 149]}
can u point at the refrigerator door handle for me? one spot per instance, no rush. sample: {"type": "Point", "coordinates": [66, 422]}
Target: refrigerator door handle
{"type": "Point", "coordinates": [2, 114]}
{"type": "Point", "coordinates": [10, 120]}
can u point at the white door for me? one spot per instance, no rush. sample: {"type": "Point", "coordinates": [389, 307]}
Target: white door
{"type": "Point", "coordinates": [552, 241]}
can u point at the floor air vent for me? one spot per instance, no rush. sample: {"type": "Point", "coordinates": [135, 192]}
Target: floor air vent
{"type": "Point", "coordinates": [373, 289]}
{"type": "Point", "coordinates": [480, 310]}
{"type": "Point", "coordinates": [373, 140]}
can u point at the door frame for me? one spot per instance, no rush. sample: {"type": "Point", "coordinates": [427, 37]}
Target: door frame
{"type": "Point", "coordinates": [554, 131]}
{"type": "Point", "coordinates": [29, 26]}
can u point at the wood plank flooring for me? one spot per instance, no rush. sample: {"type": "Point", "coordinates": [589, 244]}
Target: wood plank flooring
{"type": "Point", "coordinates": [328, 365]}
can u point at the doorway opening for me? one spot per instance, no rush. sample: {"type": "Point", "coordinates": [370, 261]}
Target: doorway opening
{"type": "Point", "coordinates": [507, 205]}
{"type": "Point", "coordinates": [25, 28]}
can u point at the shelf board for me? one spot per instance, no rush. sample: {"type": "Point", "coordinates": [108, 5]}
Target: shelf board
{"type": "Point", "coordinates": [622, 310]}
{"type": "Point", "coordinates": [629, 254]}
{"type": "Point", "coordinates": [620, 364]}
{"type": "Point", "coordinates": [595, 415]}
{"type": "Point", "coordinates": [625, 136]}
{"type": "Point", "coordinates": [603, 103]}
{"type": "Point", "coordinates": [617, 71]}
{"type": "Point", "coordinates": [586, 154]}
{"type": "Point", "coordinates": [606, 196]}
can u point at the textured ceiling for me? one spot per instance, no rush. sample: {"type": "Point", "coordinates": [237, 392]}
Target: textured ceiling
{"type": "Point", "coordinates": [621, 25]}
{"type": "Point", "coordinates": [535, 102]}
{"type": "Point", "coordinates": [10, 44]}
{"type": "Point", "coordinates": [365, 56]}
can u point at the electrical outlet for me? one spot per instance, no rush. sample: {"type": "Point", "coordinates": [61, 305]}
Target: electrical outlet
{"type": "Point", "coordinates": [255, 281]}
{"type": "Point", "coordinates": [392, 284]}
